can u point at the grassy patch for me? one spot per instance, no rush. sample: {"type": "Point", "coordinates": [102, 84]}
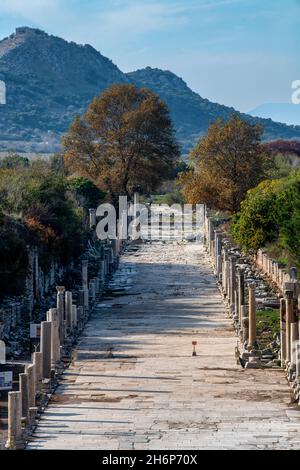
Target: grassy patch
{"type": "Point", "coordinates": [268, 323]}
{"type": "Point", "coordinates": [282, 256]}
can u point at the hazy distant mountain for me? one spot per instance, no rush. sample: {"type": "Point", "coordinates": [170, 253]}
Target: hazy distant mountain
{"type": "Point", "coordinates": [279, 112]}
{"type": "Point", "coordinates": [49, 80]}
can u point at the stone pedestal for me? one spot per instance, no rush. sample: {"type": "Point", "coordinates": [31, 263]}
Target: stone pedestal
{"type": "Point", "coordinates": [55, 340]}
{"type": "Point", "coordinates": [15, 435]}
{"type": "Point", "coordinates": [30, 371]}
{"type": "Point", "coordinates": [38, 363]}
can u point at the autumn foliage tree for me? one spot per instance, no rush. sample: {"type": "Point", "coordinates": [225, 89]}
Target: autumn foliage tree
{"type": "Point", "coordinates": [225, 165]}
{"type": "Point", "coordinates": [124, 141]}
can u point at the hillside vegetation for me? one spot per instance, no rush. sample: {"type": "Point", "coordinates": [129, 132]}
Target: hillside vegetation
{"type": "Point", "coordinates": [50, 80]}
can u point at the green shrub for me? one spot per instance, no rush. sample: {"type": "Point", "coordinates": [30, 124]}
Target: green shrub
{"type": "Point", "coordinates": [86, 193]}
{"type": "Point", "coordinates": [270, 213]}
{"type": "Point", "coordinates": [39, 197]}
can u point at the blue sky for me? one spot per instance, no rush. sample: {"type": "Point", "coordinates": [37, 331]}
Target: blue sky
{"type": "Point", "coordinates": [241, 53]}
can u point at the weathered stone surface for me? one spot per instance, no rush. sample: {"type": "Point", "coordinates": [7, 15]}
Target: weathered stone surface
{"type": "Point", "coordinates": [135, 384]}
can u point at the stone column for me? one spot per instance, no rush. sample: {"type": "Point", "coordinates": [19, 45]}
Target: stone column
{"type": "Point", "coordinates": [85, 274]}
{"type": "Point", "coordinates": [24, 389]}
{"type": "Point", "coordinates": [236, 307]}
{"type": "Point", "coordinates": [29, 282]}
{"type": "Point", "coordinates": [80, 316]}
{"type": "Point", "coordinates": [294, 342]}
{"type": "Point", "coordinates": [15, 436]}
{"type": "Point", "coordinates": [232, 281]}
{"type": "Point", "coordinates": [107, 261]}
{"type": "Point", "coordinates": [298, 360]}
{"type": "Point", "coordinates": [36, 274]}
{"type": "Point", "coordinates": [282, 331]}
{"type": "Point", "coordinates": [227, 275]}
{"type": "Point", "coordinates": [85, 283]}
{"type": "Point", "coordinates": [55, 341]}
{"type": "Point", "coordinates": [245, 324]}
{"type": "Point", "coordinates": [210, 236]}
{"type": "Point", "coordinates": [86, 300]}
{"type": "Point", "coordinates": [97, 284]}
{"type": "Point", "coordinates": [219, 268]}
{"type": "Point", "coordinates": [46, 348]}
{"type": "Point", "coordinates": [252, 319]}
{"type": "Point", "coordinates": [30, 371]}
{"type": "Point", "coordinates": [289, 316]}
{"type": "Point", "coordinates": [74, 316]}
{"type": "Point", "coordinates": [93, 220]}
{"type": "Point", "coordinates": [61, 311]}
{"type": "Point", "coordinates": [218, 251]}
{"type": "Point", "coordinates": [241, 292]}
{"type": "Point", "coordinates": [68, 306]}
{"type": "Point", "coordinates": [102, 272]}
{"type": "Point", "coordinates": [294, 334]}
{"type": "Point", "coordinates": [38, 364]}
{"type": "Point", "coordinates": [114, 246]}
{"type": "Point", "coordinates": [92, 290]}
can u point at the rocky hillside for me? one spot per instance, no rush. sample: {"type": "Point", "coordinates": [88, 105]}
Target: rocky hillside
{"type": "Point", "coordinates": [192, 114]}
{"type": "Point", "coordinates": [49, 80]}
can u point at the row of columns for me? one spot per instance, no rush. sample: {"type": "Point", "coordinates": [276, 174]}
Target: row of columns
{"type": "Point", "coordinates": [238, 293]}
{"type": "Point", "coordinates": [289, 331]}
{"type": "Point", "coordinates": [62, 324]}
{"type": "Point", "coordinates": [274, 270]}
{"type": "Point", "coordinates": [240, 296]}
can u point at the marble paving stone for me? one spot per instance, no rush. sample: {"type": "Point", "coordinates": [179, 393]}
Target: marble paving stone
{"type": "Point", "coordinates": [151, 393]}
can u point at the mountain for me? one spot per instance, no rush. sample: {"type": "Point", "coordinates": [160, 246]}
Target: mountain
{"type": "Point", "coordinates": [50, 80]}
{"type": "Point", "coordinates": [192, 114]}
{"type": "Point", "coordinates": [288, 113]}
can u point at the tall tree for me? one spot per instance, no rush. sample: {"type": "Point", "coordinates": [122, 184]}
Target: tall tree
{"type": "Point", "coordinates": [227, 162]}
{"type": "Point", "coordinates": [124, 141]}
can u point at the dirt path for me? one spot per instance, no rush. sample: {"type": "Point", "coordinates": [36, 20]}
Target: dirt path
{"type": "Point", "coordinates": [135, 384]}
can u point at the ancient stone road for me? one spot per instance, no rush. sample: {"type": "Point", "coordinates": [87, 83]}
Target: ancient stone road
{"type": "Point", "coordinates": [135, 384]}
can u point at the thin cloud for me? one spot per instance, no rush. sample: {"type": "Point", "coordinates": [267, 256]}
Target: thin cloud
{"type": "Point", "coordinates": [137, 18]}
{"type": "Point", "coordinates": [29, 8]}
